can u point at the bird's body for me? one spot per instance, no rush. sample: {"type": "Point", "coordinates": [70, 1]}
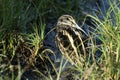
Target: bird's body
{"type": "Point", "coordinates": [70, 38]}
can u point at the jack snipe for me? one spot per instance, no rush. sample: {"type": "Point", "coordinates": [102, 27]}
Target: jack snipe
{"type": "Point", "coordinates": [70, 38]}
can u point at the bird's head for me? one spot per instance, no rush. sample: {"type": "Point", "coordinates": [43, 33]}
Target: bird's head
{"type": "Point", "coordinates": [68, 21]}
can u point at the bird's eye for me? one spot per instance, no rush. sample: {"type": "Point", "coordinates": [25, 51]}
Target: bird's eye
{"type": "Point", "coordinates": [67, 18]}
{"type": "Point", "coordinates": [61, 20]}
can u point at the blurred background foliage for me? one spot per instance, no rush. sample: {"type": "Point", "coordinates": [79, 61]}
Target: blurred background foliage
{"type": "Point", "coordinates": [17, 16]}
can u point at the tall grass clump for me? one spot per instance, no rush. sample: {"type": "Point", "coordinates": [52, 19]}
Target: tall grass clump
{"type": "Point", "coordinates": [22, 52]}
{"type": "Point", "coordinates": [108, 32]}
{"type": "Point", "coordinates": [19, 50]}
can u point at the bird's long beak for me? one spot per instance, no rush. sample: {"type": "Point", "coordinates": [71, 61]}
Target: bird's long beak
{"type": "Point", "coordinates": [79, 28]}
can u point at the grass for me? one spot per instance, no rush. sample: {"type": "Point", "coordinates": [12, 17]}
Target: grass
{"type": "Point", "coordinates": [108, 30]}
{"type": "Point", "coordinates": [22, 34]}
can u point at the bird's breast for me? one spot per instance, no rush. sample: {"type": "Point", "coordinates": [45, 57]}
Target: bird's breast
{"type": "Point", "coordinates": [68, 38]}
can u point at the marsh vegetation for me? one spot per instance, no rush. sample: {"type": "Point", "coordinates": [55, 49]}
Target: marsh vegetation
{"type": "Point", "coordinates": [27, 26]}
